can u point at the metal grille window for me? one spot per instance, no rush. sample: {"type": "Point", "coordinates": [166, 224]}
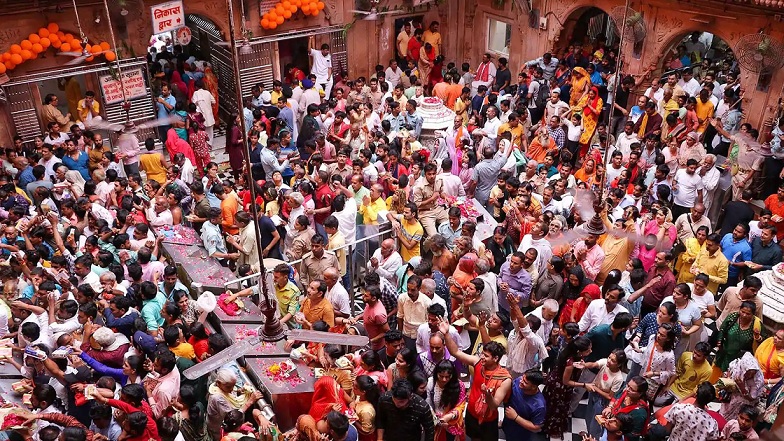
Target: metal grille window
{"type": "Point", "coordinates": [339, 50]}
{"type": "Point", "coordinates": [23, 111]}
{"type": "Point", "coordinates": [256, 66]}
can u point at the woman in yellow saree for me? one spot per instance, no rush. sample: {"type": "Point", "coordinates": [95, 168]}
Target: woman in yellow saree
{"type": "Point", "coordinates": [581, 83]}
{"type": "Point", "coordinates": [591, 106]}
{"type": "Point", "coordinates": [694, 245]}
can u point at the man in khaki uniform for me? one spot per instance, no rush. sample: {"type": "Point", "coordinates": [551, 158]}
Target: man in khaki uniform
{"type": "Point", "coordinates": [317, 261]}
{"type": "Point", "coordinates": [425, 197]}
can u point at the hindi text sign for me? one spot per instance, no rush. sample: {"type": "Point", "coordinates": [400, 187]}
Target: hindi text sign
{"type": "Point", "coordinates": [133, 80]}
{"type": "Point", "coordinates": [167, 17]}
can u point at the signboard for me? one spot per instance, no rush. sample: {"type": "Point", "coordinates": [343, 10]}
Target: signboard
{"type": "Point", "coordinates": [266, 5]}
{"type": "Point", "coordinates": [167, 17]}
{"type": "Point", "coordinates": [183, 36]}
{"type": "Point", "coordinates": [132, 80]}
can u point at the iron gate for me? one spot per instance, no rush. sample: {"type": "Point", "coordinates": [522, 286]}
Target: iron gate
{"type": "Point", "coordinates": [205, 36]}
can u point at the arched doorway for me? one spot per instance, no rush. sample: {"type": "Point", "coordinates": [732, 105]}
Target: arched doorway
{"type": "Point", "coordinates": [704, 53]}
{"type": "Point", "coordinates": [590, 28]}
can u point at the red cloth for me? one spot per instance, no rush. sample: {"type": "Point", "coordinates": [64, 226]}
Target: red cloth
{"type": "Point", "coordinates": [580, 305]}
{"type": "Point", "coordinates": [414, 46]}
{"type": "Point", "coordinates": [323, 199]}
{"type": "Point", "coordinates": [175, 144]}
{"type": "Point", "coordinates": [326, 394]}
{"type": "Point", "coordinates": [151, 430]}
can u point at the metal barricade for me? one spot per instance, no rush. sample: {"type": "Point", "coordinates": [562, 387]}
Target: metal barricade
{"type": "Point", "coordinates": [358, 253]}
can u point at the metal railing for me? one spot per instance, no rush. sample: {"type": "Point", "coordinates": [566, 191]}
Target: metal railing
{"type": "Point", "coordinates": [357, 254]}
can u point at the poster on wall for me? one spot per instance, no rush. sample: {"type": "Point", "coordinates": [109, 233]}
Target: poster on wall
{"type": "Point", "coordinates": [266, 5]}
{"type": "Point", "coordinates": [183, 36]}
{"type": "Point", "coordinates": [167, 16]}
{"type": "Point", "coordinates": [132, 80]}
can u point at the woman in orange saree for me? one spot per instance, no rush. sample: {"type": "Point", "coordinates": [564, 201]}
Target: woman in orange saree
{"type": "Point", "coordinates": [211, 84]}
{"type": "Point", "coordinates": [581, 82]}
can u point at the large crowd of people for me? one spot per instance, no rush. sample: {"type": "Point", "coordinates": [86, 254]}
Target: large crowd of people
{"type": "Point", "coordinates": [603, 277]}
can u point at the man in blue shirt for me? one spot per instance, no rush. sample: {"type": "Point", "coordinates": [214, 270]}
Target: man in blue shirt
{"type": "Point", "coordinates": [165, 105]}
{"type": "Point", "coordinates": [413, 118]}
{"type": "Point", "coordinates": [525, 411]}
{"type": "Point", "coordinates": [737, 250]}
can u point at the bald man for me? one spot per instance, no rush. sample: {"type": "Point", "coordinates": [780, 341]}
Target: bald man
{"type": "Point", "coordinates": [686, 225]}
{"type": "Point", "coordinates": [385, 261]}
{"type": "Point", "coordinates": [337, 295]}
{"type": "Point", "coordinates": [159, 214]}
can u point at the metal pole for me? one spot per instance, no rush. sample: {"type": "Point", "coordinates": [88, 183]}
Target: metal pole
{"type": "Point", "coordinates": [616, 80]}
{"type": "Point", "coordinates": [246, 151]}
{"type": "Point", "coordinates": [116, 54]}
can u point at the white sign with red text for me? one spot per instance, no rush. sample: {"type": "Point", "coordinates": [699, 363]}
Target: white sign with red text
{"type": "Point", "coordinates": [167, 17]}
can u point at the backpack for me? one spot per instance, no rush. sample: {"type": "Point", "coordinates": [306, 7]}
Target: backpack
{"type": "Point", "coordinates": [542, 95]}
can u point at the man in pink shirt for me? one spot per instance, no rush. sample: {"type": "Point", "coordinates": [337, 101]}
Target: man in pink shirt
{"type": "Point", "coordinates": [374, 316]}
{"type": "Point", "coordinates": [590, 256]}
{"type": "Point", "coordinates": [166, 388]}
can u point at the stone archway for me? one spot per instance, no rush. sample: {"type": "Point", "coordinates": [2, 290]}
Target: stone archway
{"type": "Point", "coordinates": [581, 22]}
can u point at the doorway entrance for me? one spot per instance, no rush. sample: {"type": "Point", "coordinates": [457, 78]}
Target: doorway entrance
{"type": "Point", "coordinates": [293, 53]}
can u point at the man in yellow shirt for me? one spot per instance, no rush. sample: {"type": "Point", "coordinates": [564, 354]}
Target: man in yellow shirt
{"type": "Point", "coordinates": [336, 242]}
{"type": "Point", "coordinates": [408, 231]}
{"type": "Point", "coordinates": [704, 109]}
{"type": "Point", "coordinates": [89, 109]}
{"type": "Point", "coordinates": [372, 205]}
{"type": "Point", "coordinates": [433, 37]}
{"type": "Point", "coordinates": [691, 370]}
{"type": "Point", "coordinates": [402, 41]}
{"type": "Point", "coordinates": [514, 127]}
{"type": "Point", "coordinates": [712, 262]}
{"type": "Point", "coordinates": [174, 339]}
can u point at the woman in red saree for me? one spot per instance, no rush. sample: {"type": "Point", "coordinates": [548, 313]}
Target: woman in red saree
{"type": "Point", "coordinates": [590, 293]}
{"type": "Point", "coordinates": [175, 144]}
{"type": "Point", "coordinates": [327, 396]}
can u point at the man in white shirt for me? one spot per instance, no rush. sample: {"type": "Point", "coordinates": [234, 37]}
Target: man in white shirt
{"type": "Point", "coordinates": [555, 107]}
{"type": "Point", "coordinates": [626, 139]}
{"type": "Point", "coordinates": [655, 92]}
{"type": "Point", "coordinates": [490, 129]}
{"type": "Point", "coordinates": [159, 214]}
{"type": "Point", "coordinates": [385, 261]}
{"type": "Point", "coordinates": [337, 294]}
{"type": "Point", "coordinates": [485, 73]}
{"type": "Point", "coordinates": [102, 189]}
{"type": "Point", "coordinates": [425, 330]}
{"type": "Point", "coordinates": [687, 188]}
{"type": "Point", "coordinates": [448, 183]}
{"type": "Point", "coordinates": [688, 83]}
{"type": "Point", "coordinates": [393, 74]}
{"type": "Point", "coordinates": [526, 347]}
{"type": "Point", "coordinates": [204, 101]}
{"type": "Point", "coordinates": [48, 160]}
{"type": "Point", "coordinates": [603, 311]}
{"type": "Point", "coordinates": [546, 314]}
{"type": "Point", "coordinates": [187, 171]}
{"type": "Point", "coordinates": [322, 67]}
{"type": "Point", "coordinates": [615, 167]}
{"type": "Point", "coordinates": [710, 180]}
